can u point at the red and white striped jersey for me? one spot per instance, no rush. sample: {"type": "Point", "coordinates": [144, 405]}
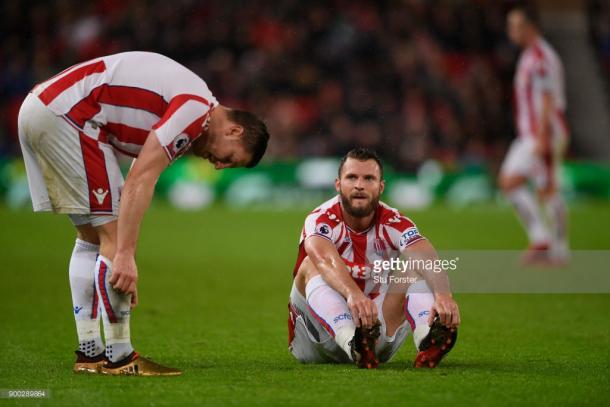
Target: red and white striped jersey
{"type": "Point", "coordinates": [387, 238]}
{"type": "Point", "coordinates": [539, 71]}
{"type": "Point", "coordinates": [119, 99]}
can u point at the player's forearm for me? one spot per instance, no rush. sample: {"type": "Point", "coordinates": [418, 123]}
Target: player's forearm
{"type": "Point", "coordinates": [544, 129]}
{"type": "Point", "coordinates": [135, 200]}
{"type": "Point", "coordinates": [424, 253]}
{"type": "Point", "coordinates": [334, 272]}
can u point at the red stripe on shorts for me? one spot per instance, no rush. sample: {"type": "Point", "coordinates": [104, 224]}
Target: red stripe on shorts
{"type": "Point", "coordinates": [100, 196]}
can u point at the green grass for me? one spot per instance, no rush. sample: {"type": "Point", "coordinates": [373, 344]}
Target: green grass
{"type": "Point", "coordinates": [213, 292]}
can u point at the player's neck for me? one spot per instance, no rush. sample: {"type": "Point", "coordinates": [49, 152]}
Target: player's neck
{"type": "Point", "coordinates": [532, 39]}
{"type": "Point", "coordinates": [358, 224]}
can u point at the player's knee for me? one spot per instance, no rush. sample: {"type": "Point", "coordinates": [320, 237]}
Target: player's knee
{"type": "Point", "coordinates": [307, 270]}
{"type": "Point", "coordinates": [508, 183]}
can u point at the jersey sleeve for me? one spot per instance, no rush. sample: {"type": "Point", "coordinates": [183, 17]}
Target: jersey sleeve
{"type": "Point", "coordinates": [402, 232]}
{"type": "Point", "coordinates": [319, 224]}
{"type": "Point", "coordinates": [181, 124]}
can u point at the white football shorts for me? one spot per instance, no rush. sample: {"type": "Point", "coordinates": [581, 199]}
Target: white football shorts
{"type": "Point", "coordinates": [522, 160]}
{"type": "Point", "coordinates": [68, 171]}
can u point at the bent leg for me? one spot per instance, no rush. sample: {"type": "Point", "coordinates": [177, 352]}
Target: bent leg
{"type": "Point", "coordinates": [326, 305]}
{"type": "Point", "coordinates": [519, 166]}
{"type": "Point", "coordinates": [412, 307]}
{"type": "Point", "coordinates": [116, 306]}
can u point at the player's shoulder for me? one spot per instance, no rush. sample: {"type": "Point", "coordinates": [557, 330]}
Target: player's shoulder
{"type": "Point", "coordinates": [542, 53]}
{"type": "Point", "coordinates": [327, 211]}
{"type": "Point", "coordinates": [392, 217]}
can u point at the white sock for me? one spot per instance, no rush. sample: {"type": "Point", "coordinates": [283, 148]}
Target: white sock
{"type": "Point", "coordinates": [556, 212]}
{"type": "Point", "coordinates": [84, 297]}
{"type": "Point", "coordinates": [528, 211]}
{"type": "Point", "coordinates": [417, 309]}
{"type": "Point", "coordinates": [331, 310]}
{"type": "Point", "coordinates": [116, 309]}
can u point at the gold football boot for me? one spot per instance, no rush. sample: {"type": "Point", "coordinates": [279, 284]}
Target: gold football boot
{"type": "Point", "coordinates": [85, 364]}
{"type": "Point", "coordinates": [136, 365]}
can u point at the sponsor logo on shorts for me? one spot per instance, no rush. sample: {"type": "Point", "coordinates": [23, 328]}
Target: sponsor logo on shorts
{"type": "Point", "coordinates": [100, 195]}
{"type": "Point", "coordinates": [423, 314]}
{"type": "Point", "coordinates": [77, 309]}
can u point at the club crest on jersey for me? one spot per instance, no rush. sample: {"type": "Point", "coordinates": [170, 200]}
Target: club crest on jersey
{"type": "Point", "coordinates": [323, 229]}
{"type": "Point", "coordinates": [408, 235]}
{"type": "Point", "coordinates": [380, 248]}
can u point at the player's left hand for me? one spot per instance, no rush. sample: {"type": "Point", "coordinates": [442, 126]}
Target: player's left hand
{"type": "Point", "coordinates": [124, 276]}
{"type": "Point", "coordinates": [447, 310]}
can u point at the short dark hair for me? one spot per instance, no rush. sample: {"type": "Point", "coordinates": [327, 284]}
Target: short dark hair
{"type": "Point", "coordinates": [255, 137]}
{"type": "Point", "coordinates": [528, 11]}
{"type": "Point", "coordinates": [361, 154]}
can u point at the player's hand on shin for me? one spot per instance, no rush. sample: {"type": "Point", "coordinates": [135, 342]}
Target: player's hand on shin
{"type": "Point", "coordinates": [134, 298]}
{"type": "Point", "coordinates": [124, 276]}
{"type": "Point", "coordinates": [447, 311]}
{"type": "Point", "coordinates": [363, 309]}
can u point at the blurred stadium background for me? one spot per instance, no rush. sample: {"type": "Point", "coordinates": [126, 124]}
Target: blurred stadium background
{"type": "Point", "coordinates": [426, 83]}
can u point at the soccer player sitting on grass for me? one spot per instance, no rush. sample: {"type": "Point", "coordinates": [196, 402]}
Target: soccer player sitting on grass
{"type": "Point", "coordinates": [144, 105]}
{"type": "Point", "coordinates": [345, 304]}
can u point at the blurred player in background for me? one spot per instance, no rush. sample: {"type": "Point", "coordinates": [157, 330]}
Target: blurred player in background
{"type": "Point", "coordinates": [144, 105]}
{"type": "Point", "coordinates": [536, 154]}
{"type": "Point", "coordinates": [342, 308]}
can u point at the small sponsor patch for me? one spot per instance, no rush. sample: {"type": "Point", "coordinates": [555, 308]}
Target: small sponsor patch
{"type": "Point", "coordinates": [180, 143]}
{"type": "Point", "coordinates": [408, 235]}
{"type": "Point", "coordinates": [323, 229]}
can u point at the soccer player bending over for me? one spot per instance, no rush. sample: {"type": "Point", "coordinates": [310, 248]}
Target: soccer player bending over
{"type": "Point", "coordinates": [343, 306]}
{"type": "Point", "coordinates": [70, 127]}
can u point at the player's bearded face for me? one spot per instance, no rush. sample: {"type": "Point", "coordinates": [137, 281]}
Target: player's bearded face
{"type": "Point", "coordinates": [359, 204]}
{"type": "Point", "coordinates": [360, 188]}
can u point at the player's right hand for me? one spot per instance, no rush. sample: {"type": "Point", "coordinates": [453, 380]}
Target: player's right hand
{"type": "Point", "coordinates": [363, 309]}
{"type": "Point", "coordinates": [124, 276]}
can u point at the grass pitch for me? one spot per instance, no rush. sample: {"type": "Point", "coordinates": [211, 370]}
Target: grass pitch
{"type": "Point", "coordinates": [213, 292]}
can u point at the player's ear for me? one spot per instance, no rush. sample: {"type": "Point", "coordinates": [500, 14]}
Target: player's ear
{"type": "Point", "coordinates": [337, 184]}
{"type": "Point", "coordinates": [381, 186]}
{"type": "Point", "coordinates": [235, 131]}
